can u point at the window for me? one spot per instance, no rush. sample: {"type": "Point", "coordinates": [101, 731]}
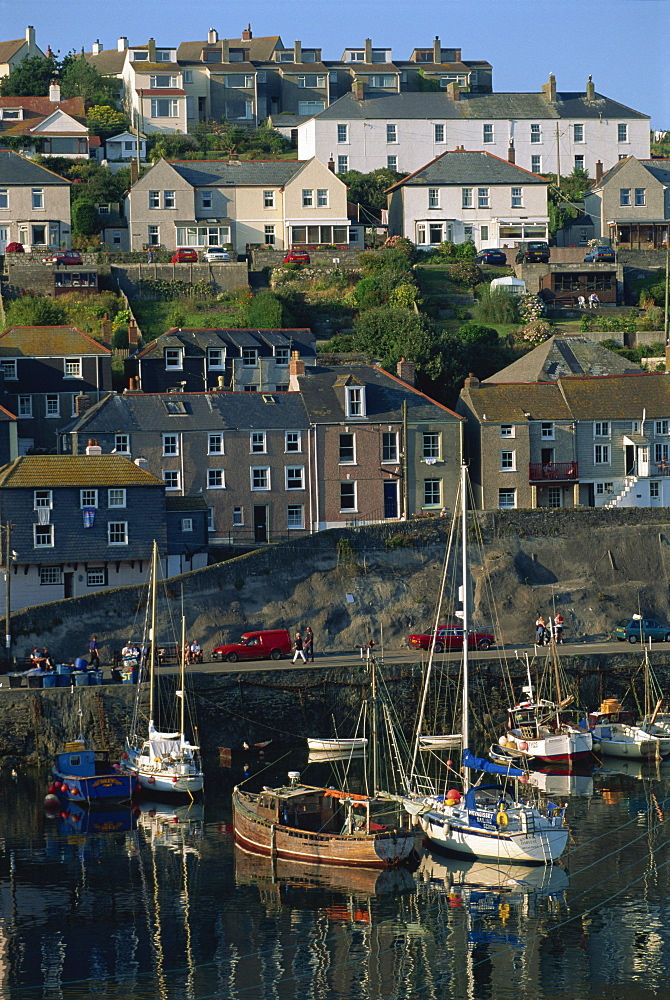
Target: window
{"type": "Point", "coordinates": [164, 107]}
{"type": "Point", "coordinates": [624, 196]}
{"type": "Point", "coordinates": [154, 199]}
{"type": "Point", "coordinates": [216, 479]}
{"type": "Point", "coordinates": [210, 519]}
{"type": "Point", "coordinates": [640, 198]}
{"type": "Point", "coordinates": [579, 162]}
{"type": "Point", "coordinates": [88, 498]}
{"type": "Point", "coordinates": [506, 431]}
{"type": "Point", "coordinates": [282, 356]}
{"type": "Point", "coordinates": [536, 133]}
{"type": "Point", "coordinates": [216, 357]}
{"type": "Point", "coordinates": [391, 133]}
{"type": "Point", "coordinates": [311, 80]}
{"type": "Point", "coordinates": [170, 444]}
{"type": "Point", "coordinates": [307, 198]}
{"type": "Point", "coordinates": [173, 358]}
{"type": "Point", "coordinates": [206, 199]}
{"type": "Point", "coordinates": [536, 164]}
{"type": "Point", "coordinates": [310, 107]}
{"type": "Point", "coordinates": [622, 133]}
{"type": "Point", "coordinates": [37, 198]}
{"type": "Point", "coordinates": [466, 198]}
{"type": "Point", "coordinates": [116, 497]}
{"type": "Point", "coordinates": [260, 478]}
{"type": "Point", "coordinates": [238, 517]}
{"type": "Point", "coordinates": [385, 80]}
{"type": "Point", "coordinates": [547, 431]}
{"type": "Point", "coordinates": [438, 133]}
{"type": "Point", "coordinates": [43, 535]}
{"type": "Point", "coordinates": [601, 428]}
{"type": "Point", "coordinates": [433, 197]}
{"type": "Point", "coordinates": [164, 55]}
{"type": "Point", "coordinates": [432, 492]}
{"type": "Point", "coordinates": [249, 357]}
{"type": "Point", "coordinates": [169, 199]}
{"type": "Point", "coordinates": [269, 236]}
{"type": "Point", "coordinates": [73, 368]}
{"type": "Point", "coordinates": [506, 499]}
{"type": "Point", "coordinates": [517, 197]}
{"type": "Point", "coordinates": [389, 446]}
{"type": "Point", "coordinates": [654, 492]}
{"type": "Point", "coordinates": [661, 453]}
{"type": "Point", "coordinates": [662, 427]}
{"type": "Point", "coordinates": [430, 444]}
{"type": "Point", "coordinates": [601, 454]}
{"type": "Point", "coordinates": [603, 488]}
{"type": "Point", "coordinates": [392, 163]}
{"type": "Point", "coordinates": [578, 133]}
{"type": "Point", "coordinates": [295, 477]}
{"type": "Point", "coordinates": [42, 499]}
{"type": "Point", "coordinates": [342, 164]}
{"type": "Point", "coordinates": [322, 197]}
{"type": "Point", "coordinates": [483, 232]}
{"type": "Point", "coordinates": [215, 444]}
{"type": "Point", "coordinates": [507, 461]}
{"type": "Point", "coordinates": [188, 76]}
{"type": "Point", "coordinates": [25, 406]}
{"type": "Point", "coordinates": [171, 479]}
{"type": "Point", "coordinates": [50, 576]}
{"type": "Point", "coordinates": [238, 80]}
{"type": "Point", "coordinates": [348, 496]}
{"type": "Point", "coordinates": [117, 532]}
{"type": "Point", "coordinates": [258, 442]}
{"type": "Point", "coordinates": [295, 516]}
{"type": "Point", "coordinates": [268, 199]}
{"type": "Point", "coordinates": [347, 449]}
{"type": "Point", "coordinates": [343, 133]}
{"type": "Point", "coordinates": [293, 442]}
{"type": "Point", "coordinates": [122, 444]}
{"type": "Point", "coordinates": [153, 236]}
{"type": "Point", "coordinates": [355, 401]}
{"type": "Point", "coordinates": [52, 405]}
{"type": "Point", "coordinates": [8, 369]}
{"type": "Point", "coordinates": [4, 198]}
{"type": "Point", "coordinates": [482, 197]}
{"type": "Point", "coordinates": [488, 133]}
{"type": "Point", "coordinates": [554, 496]}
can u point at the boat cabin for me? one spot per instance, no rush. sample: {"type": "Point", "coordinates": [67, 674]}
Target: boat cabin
{"type": "Point", "coordinates": [78, 762]}
{"type": "Point", "coordinates": [316, 810]}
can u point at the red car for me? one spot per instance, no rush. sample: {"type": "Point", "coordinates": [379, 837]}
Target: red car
{"type": "Point", "coordinates": [184, 255]}
{"type": "Point", "coordinates": [64, 257]}
{"type": "Point", "coordinates": [451, 637]}
{"type": "Point", "coordinates": [297, 257]}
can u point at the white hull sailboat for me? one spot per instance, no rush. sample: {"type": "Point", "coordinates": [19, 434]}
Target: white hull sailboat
{"type": "Point", "coordinates": [485, 820]}
{"type": "Point", "coordinates": [619, 736]}
{"type": "Point", "coordinates": [164, 763]}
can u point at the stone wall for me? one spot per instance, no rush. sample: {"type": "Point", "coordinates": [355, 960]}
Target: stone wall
{"type": "Point", "coordinates": [222, 277]}
{"type": "Point", "coordinates": [267, 257]}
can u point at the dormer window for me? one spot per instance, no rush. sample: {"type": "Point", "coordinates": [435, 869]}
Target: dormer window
{"type": "Point", "coordinates": [355, 400]}
{"type": "Point", "coordinates": [14, 113]}
{"type": "Point", "coordinates": [216, 357]}
{"type": "Point", "coordinates": [173, 358]}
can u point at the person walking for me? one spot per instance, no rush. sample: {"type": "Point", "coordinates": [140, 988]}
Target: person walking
{"type": "Point", "coordinates": [298, 648]}
{"type": "Point", "coordinates": [94, 656]}
{"type": "Point", "coordinates": [309, 645]}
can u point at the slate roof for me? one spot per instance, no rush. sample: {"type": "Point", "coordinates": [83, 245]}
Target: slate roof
{"type": "Point", "coordinates": [44, 471]}
{"type": "Point", "coordinates": [48, 342]}
{"type": "Point", "coordinates": [509, 403]}
{"type": "Point", "coordinates": [559, 357]}
{"type": "Point", "coordinates": [173, 503]}
{"type": "Point", "coordinates": [460, 167]}
{"type": "Point", "coordinates": [17, 169]}
{"type": "Point", "coordinates": [659, 170]}
{"type": "Point", "coordinates": [203, 339]}
{"type": "Point", "coordinates": [260, 49]}
{"type": "Point", "coordinates": [10, 48]}
{"type": "Point", "coordinates": [109, 62]}
{"type": "Point", "coordinates": [243, 173]}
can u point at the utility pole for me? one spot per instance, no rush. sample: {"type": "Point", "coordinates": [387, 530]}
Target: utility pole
{"type": "Point", "coordinates": [558, 159]}
{"type": "Point", "coordinates": [667, 278]}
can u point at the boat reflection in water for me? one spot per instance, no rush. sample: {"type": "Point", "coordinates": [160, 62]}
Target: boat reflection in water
{"type": "Point", "coordinates": [175, 827]}
{"type": "Point", "coordinates": [72, 817]}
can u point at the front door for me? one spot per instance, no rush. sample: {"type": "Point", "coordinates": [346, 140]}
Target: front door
{"type": "Point", "coordinates": [390, 499]}
{"type": "Point", "coordinates": [4, 238]}
{"type": "Point", "coordinates": [630, 459]}
{"type": "Point", "coordinates": [260, 523]}
{"type": "Point", "coordinates": [68, 579]}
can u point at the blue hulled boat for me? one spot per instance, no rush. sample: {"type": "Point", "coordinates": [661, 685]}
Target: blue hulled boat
{"type": "Point", "coordinates": [83, 775]}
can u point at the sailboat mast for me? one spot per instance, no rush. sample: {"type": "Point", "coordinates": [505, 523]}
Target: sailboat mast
{"type": "Point", "coordinates": [182, 675]}
{"type": "Point", "coordinates": [152, 630]}
{"type": "Point", "coordinates": [557, 679]}
{"type": "Point", "coordinates": [373, 678]}
{"type": "Point", "coordinates": [466, 613]}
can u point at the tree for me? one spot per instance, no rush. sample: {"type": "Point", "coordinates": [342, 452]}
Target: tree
{"type": "Point", "coordinates": [104, 120]}
{"type": "Point", "coordinates": [391, 334]}
{"type": "Point", "coordinates": [31, 78]}
{"type": "Point", "coordinates": [84, 218]}
{"type": "Point", "coordinates": [564, 200]}
{"type": "Point", "coordinates": [171, 147]}
{"type": "Point", "coordinates": [369, 190]}
{"type": "Point", "coordinates": [79, 79]}
{"type": "Point", "coordinates": [33, 310]}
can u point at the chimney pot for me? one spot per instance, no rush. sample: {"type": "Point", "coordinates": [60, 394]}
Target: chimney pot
{"type": "Point", "coordinates": [212, 36]}
{"type": "Point", "coordinates": [93, 448]}
{"type": "Point", "coordinates": [331, 164]}
{"type": "Point", "coordinates": [590, 89]}
{"type": "Point", "coordinates": [141, 463]}
{"type": "Point", "coordinates": [406, 370]}
{"type": "Point", "coordinates": [122, 44]}
{"type": "Point", "coordinates": [471, 382]}
{"type": "Point", "coordinates": [246, 34]}
{"type": "Point", "coordinates": [54, 92]}
{"type": "Point", "coordinates": [82, 403]}
{"type": "Point", "coordinates": [511, 152]}
{"type": "Point", "coordinates": [599, 171]}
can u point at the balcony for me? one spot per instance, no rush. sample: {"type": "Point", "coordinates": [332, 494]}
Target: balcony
{"type": "Point", "coordinates": [552, 472]}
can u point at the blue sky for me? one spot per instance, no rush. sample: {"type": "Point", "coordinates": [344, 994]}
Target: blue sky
{"type": "Point", "coordinates": [624, 44]}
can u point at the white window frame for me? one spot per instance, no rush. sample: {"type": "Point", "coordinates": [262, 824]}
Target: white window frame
{"type": "Point", "coordinates": [516, 197]}
{"type": "Point", "coordinates": [433, 197]}
{"type": "Point", "coordinates": [487, 133]}
{"type": "Point", "coordinates": [322, 196]}
{"type": "Point", "coordinates": [269, 235]}
{"type": "Point", "coordinates": [206, 198]}
{"type": "Point", "coordinates": [625, 197]}
{"type": "Point", "coordinates": [284, 359]}
{"type": "Point", "coordinates": [25, 406]}
{"type": "Point", "coordinates": [45, 532]}
{"type": "Point", "coordinates": [483, 197]}
{"type": "Point", "coordinates": [295, 517]}
{"type": "Point", "coordinates": [72, 368]}
{"type": "Point", "coordinates": [116, 497]}
{"type": "Point", "coordinates": [43, 499]}
{"type": "Point", "coordinates": [258, 442]}
{"type": "Point", "coordinates": [172, 479]}
{"type": "Point", "coordinates": [8, 366]}
{"type": "Point", "coordinates": [154, 199]}
{"type": "Point", "coordinates": [578, 133]}
{"type": "Point", "coordinates": [4, 197]}
{"type": "Point", "coordinates": [342, 164]}
{"type": "Point", "coordinates": [662, 428]}
{"type": "Point", "coordinates": [216, 443]}
{"type": "Point", "coordinates": [535, 133]}
{"type": "Point", "coordinates": [238, 517]}
{"type": "Point", "coordinates": [170, 444]}
{"type": "Point", "coordinates": [622, 132]}
{"type": "Point", "coordinates": [355, 401]}
{"type": "Point", "coordinates": [507, 431]}
{"type": "Point", "coordinates": [169, 199]}
{"type": "Point", "coordinates": [640, 197]}
{"type": "Point", "coordinates": [88, 498]}
{"type": "Point", "coordinates": [654, 489]}
{"type": "Point", "coordinates": [52, 406]}
{"type": "Point", "coordinates": [509, 492]}
{"type": "Point", "coordinates": [432, 487]}
{"type": "Point", "coordinates": [349, 483]}
{"type": "Point", "coordinates": [347, 461]}
{"type": "Point", "coordinates": [164, 107]}
{"type": "Point", "coordinates": [292, 438]}
{"type": "Point", "coordinates": [117, 532]}
{"type": "Point", "coordinates": [601, 454]}
{"type": "Point", "coordinates": [431, 445]}
{"type": "Point", "coordinates": [439, 134]}
{"type": "Point", "coordinates": [391, 133]}
{"type": "Point", "coordinates": [187, 524]}
{"type": "Point", "coordinates": [218, 353]}
{"type": "Point", "coordinates": [308, 198]}
{"type": "Point", "coordinates": [51, 576]}
{"type": "Point", "coordinates": [547, 431]}
{"type": "Point", "coordinates": [295, 474]}
{"type": "Point", "coordinates": [261, 475]}
{"type": "Point", "coordinates": [37, 198]}
{"type": "Point", "coordinates": [122, 444]}
{"type": "Point", "coordinates": [216, 479]}
{"type": "Point", "coordinates": [536, 163]}
{"type": "Point", "coordinates": [466, 198]}
{"type": "Point", "coordinates": [342, 133]}
{"type": "Point", "coordinates": [508, 461]}
{"type": "Point", "coordinates": [249, 357]}
{"type": "Point", "coordinates": [602, 428]}
{"type": "Point", "coordinates": [174, 358]}
{"type": "Point", "coordinates": [268, 199]}
{"type": "Point", "coordinates": [390, 446]}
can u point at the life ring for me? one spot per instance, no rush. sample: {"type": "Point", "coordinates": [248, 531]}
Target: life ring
{"type": "Point", "coordinates": [523, 745]}
{"type": "Point", "coordinates": [502, 819]}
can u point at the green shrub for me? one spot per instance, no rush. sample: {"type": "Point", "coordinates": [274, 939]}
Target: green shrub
{"type": "Point", "coordinates": [495, 305]}
{"type": "Point", "coordinates": [465, 251]}
{"type": "Point", "coordinates": [265, 311]}
{"type": "Point", "coordinates": [465, 273]}
{"type": "Point", "coordinates": [33, 310]}
{"type": "Point", "coordinates": [403, 296]}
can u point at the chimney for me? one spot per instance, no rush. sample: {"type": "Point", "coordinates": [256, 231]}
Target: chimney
{"type": "Point", "coordinates": [437, 50]}
{"type": "Point", "coordinates": [92, 446]}
{"type": "Point", "coordinates": [590, 89]}
{"type": "Point", "coordinates": [331, 164]}
{"type": "Point", "coordinates": [453, 90]}
{"type": "Point", "coordinates": [471, 382]}
{"type": "Point", "coordinates": [82, 403]}
{"type": "Point", "coordinates": [141, 463]}
{"type": "Point", "coordinates": [133, 334]}
{"type": "Point", "coordinates": [122, 44]}
{"type": "Point", "coordinates": [106, 330]}
{"type": "Point", "coordinates": [296, 368]}
{"type": "Point", "coordinates": [246, 34]}
{"type": "Point", "coordinates": [511, 152]}
{"type": "Point", "coordinates": [406, 370]}
{"type": "Point", "coordinates": [357, 87]}
{"type": "Point", "coordinates": [297, 51]}
{"type": "Point", "coordinates": [368, 50]}
{"type": "Point", "coordinates": [134, 172]}
{"type": "Point", "coordinates": [212, 36]}
{"type": "Point", "coordinates": [54, 92]}
{"type": "Point", "coordinates": [599, 171]}
{"type": "Point", "coordinates": [151, 45]}
{"type": "Point", "coordinates": [133, 384]}
{"type": "Point", "coordinates": [549, 89]}
{"type": "Point", "coordinates": [225, 50]}
{"type": "Point", "coordinates": [96, 48]}
{"type": "Point", "coordinates": [30, 38]}
{"type": "Point", "coordinates": [220, 383]}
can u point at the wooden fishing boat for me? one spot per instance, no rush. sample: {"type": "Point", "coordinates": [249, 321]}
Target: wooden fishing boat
{"type": "Point", "coordinates": [619, 736]}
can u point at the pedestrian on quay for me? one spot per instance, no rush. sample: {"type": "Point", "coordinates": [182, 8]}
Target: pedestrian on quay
{"type": "Point", "coordinates": [298, 649]}
{"type": "Point", "coordinates": [94, 656]}
{"type": "Point", "coordinates": [540, 631]}
{"type": "Point", "coordinates": [558, 627]}
{"type": "Point", "coordinates": [309, 645]}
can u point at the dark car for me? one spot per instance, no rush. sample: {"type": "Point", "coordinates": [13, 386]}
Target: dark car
{"type": "Point", "coordinates": [490, 257]}
{"type": "Point", "coordinates": [64, 257]}
{"type": "Point", "coordinates": [534, 252]}
{"type": "Point", "coordinates": [451, 637]}
{"type": "Point", "coordinates": [184, 255]}
{"type": "Point", "coordinates": [641, 630]}
{"type": "Point", "coordinates": [297, 257]}
{"type": "Point", "coordinates": [605, 255]}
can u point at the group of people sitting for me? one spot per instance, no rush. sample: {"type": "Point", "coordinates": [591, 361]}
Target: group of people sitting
{"type": "Point", "coordinates": [192, 652]}
{"type": "Point", "coordinates": [42, 660]}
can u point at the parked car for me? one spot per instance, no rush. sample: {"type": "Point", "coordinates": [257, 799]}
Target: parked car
{"type": "Point", "coordinates": [271, 644]}
{"type": "Point", "coordinates": [534, 252]}
{"type": "Point", "coordinates": [184, 255]}
{"type": "Point", "coordinates": [297, 257]}
{"type": "Point", "coordinates": [451, 637]}
{"type": "Point", "coordinates": [641, 630]}
{"type": "Point", "coordinates": [216, 255]}
{"type": "Point", "coordinates": [490, 257]}
{"type": "Point", "coordinates": [64, 257]}
{"type": "Point", "coordinates": [600, 254]}
{"type": "Point", "coordinates": [15, 248]}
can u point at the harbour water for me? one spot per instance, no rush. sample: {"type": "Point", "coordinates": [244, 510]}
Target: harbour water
{"type": "Point", "coordinates": [162, 906]}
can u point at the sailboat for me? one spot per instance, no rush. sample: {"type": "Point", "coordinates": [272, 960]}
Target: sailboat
{"type": "Point", "coordinates": [484, 820]}
{"type": "Point", "coordinates": [163, 762]}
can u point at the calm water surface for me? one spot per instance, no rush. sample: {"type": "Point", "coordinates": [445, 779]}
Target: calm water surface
{"type": "Point", "coordinates": [163, 906]}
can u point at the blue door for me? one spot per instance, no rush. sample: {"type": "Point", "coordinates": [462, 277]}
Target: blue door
{"type": "Point", "coordinates": [390, 499]}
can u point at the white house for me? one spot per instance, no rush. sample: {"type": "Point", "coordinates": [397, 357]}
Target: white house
{"type": "Point", "coordinates": [548, 131]}
{"type": "Point", "coordinates": [464, 195]}
{"type": "Point", "coordinates": [124, 146]}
